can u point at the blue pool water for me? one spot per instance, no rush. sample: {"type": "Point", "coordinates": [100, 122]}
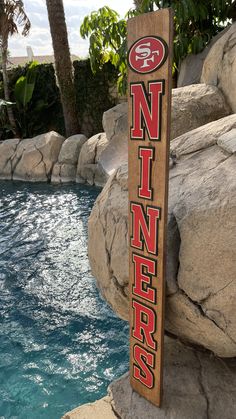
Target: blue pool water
{"type": "Point", "coordinates": [60, 344]}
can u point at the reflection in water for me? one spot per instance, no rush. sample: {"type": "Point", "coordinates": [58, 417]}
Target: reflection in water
{"type": "Point", "coordinates": [60, 344]}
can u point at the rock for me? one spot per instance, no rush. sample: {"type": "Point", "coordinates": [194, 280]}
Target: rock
{"type": "Point", "coordinates": [196, 386]}
{"type": "Point", "coordinates": [227, 141]}
{"type": "Point", "coordinates": [7, 149]}
{"type": "Point", "coordinates": [108, 226]}
{"type": "Point", "coordinates": [115, 121]}
{"type": "Point", "coordinates": [88, 168]}
{"type": "Point", "coordinates": [115, 124]}
{"type": "Point", "coordinates": [194, 106]}
{"type": "Point", "coordinates": [64, 170]}
{"type": "Point", "coordinates": [202, 137]}
{"type": "Point", "coordinates": [101, 409]}
{"type": "Point", "coordinates": [34, 158]}
{"type": "Point", "coordinates": [71, 148]}
{"type": "Point", "coordinates": [191, 67]}
{"type": "Point", "coordinates": [201, 265]}
{"type": "Point", "coordinates": [219, 68]}
{"type": "Point", "coordinates": [105, 152]}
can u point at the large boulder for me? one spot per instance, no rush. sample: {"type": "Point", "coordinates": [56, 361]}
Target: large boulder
{"type": "Point", "coordinates": [115, 121]}
{"type": "Point", "coordinates": [201, 268]}
{"type": "Point", "coordinates": [192, 390]}
{"type": "Point", "coordinates": [89, 168]}
{"type": "Point", "coordinates": [105, 152]}
{"type": "Point", "coordinates": [115, 124]}
{"type": "Point", "coordinates": [64, 170]}
{"type": "Point", "coordinates": [219, 68]}
{"type": "Point", "coordinates": [34, 158]}
{"type": "Point", "coordinates": [194, 106]}
{"type": "Point", "coordinates": [191, 67]}
{"type": "Point", "coordinates": [7, 150]}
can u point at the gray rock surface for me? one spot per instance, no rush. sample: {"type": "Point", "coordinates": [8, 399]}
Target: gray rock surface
{"type": "Point", "coordinates": [101, 409]}
{"type": "Point", "coordinates": [115, 121]}
{"type": "Point", "coordinates": [65, 169]}
{"type": "Point", "coordinates": [35, 157]}
{"type": "Point", "coordinates": [191, 67]}
{"type": "Point", "coordinates": [194, 106]}
{"type": "Point", "coordinates": [196, 386]}
{"type": "Point", "coordinates": [105, 152]}
{"type": "Point", "coordinates": [227, 141]}
{"type": "Point", "coordinates": [201, 264]}
{"type": "Point", "coordinates": [31, 159]}
{"type": "Point", "coordinates": [88, 168]}
{"type": "Point", "coordinates": [7, 150]}
{"type": "Point", "coordinates": [115, 124]}
{"type": "Point", "coordinates": [219, 67]}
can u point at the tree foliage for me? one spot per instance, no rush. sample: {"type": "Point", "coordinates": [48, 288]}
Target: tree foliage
{"type": "Point", "coordinates": [12, 17]}
{"type": "Point", "coordinates": [107, 41]}
{"type": "Point", "coordinates": [195, 23]}
{"type": "Point", "coordinates": [24, 87]}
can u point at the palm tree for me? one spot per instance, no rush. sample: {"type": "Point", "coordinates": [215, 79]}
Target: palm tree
{"type": "Point", "coordinates": [56, 16]}
{"type": "Point", "coordinates": [12, 16]}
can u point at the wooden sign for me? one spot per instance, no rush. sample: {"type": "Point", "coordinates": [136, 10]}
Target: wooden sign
{"type": "Point", "coordinates": [150, 79]}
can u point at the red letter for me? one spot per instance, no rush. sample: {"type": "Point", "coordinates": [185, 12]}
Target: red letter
{"type": "Point", "coordinates": [144, 324]}
{"type": "Point", "coordinates": [149, 230]}
{"type": "Point", "coordinates": [141, 262]}
{"type": "Point", "coordinates": [141, 372]}
{"type": "Point", "coordinates": [146, 155]}
{"type": "Point", "coordinates": [147, 112]}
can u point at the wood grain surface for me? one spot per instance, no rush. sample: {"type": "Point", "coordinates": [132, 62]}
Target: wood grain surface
{"type": "Point", "coordinates": [156, 24]}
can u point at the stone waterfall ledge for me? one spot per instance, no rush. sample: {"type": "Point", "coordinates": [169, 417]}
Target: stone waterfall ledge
{"type": "Point", "coordinates": [196, 386]}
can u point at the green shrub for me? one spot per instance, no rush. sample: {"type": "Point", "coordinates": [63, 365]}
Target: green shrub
{"type": "Point", "coordinates": [43, 110]}
{"type": "Point", "coordinates": [93, 94]}
{"type": "Point", "coordinates": [195, 23]}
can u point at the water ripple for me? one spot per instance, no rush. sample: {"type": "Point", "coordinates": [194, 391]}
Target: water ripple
{"type": "Point", "coordinates": [60, 344]}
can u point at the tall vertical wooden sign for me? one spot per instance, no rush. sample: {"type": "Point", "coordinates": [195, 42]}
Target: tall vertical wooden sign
{"type": "Point", "coordinates": [150, 79]}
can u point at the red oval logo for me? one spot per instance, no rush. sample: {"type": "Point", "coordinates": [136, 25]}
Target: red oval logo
{"type": "Point", "coordinates": [147, 54]}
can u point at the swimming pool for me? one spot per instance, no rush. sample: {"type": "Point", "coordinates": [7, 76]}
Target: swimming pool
{"type": "Point", "coordinates": [60, 343]}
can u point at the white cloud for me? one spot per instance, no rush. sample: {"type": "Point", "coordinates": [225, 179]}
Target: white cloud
{"type": "Point", "coordinates": [39, 38]}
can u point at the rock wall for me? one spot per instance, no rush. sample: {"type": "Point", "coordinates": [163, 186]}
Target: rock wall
{"type": "Point", "coordinates": [195, 387]}
{"type": "Point", "coordinates": [219, 67]}
{"type": "Point", "coordinates": [65, 169]}
{"type": "Point", "coordinates": [52, 158]}
{"type": "Point", "coordinates": [201, 265]}
{"type": "Point", "coordinates": [30, 159]}
{"type": "Point", "coordinates": [191, 67]}
{"type": "Point", "coordinates": [45, 158]}
{"type": "Point", "coordinates": [192, 106]}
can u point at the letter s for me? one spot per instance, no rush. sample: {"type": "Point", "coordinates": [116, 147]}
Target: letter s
{"type": "Point", "coordinates": [143, 51]}
{"type": "Point", "coordinates": [141, 371]}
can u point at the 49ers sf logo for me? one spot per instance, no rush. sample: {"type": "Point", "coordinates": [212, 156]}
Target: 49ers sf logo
{"type": "Point", "coordinates": [147, 54]}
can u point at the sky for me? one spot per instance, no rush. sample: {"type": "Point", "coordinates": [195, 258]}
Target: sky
{"type": "Point", "coordinates": [75, 10]}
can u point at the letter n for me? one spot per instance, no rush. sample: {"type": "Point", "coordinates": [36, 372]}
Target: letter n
{"type": "Point", "coordinates": [146, 110]}
{"type": "Point", "coordinates": [145, 230]}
